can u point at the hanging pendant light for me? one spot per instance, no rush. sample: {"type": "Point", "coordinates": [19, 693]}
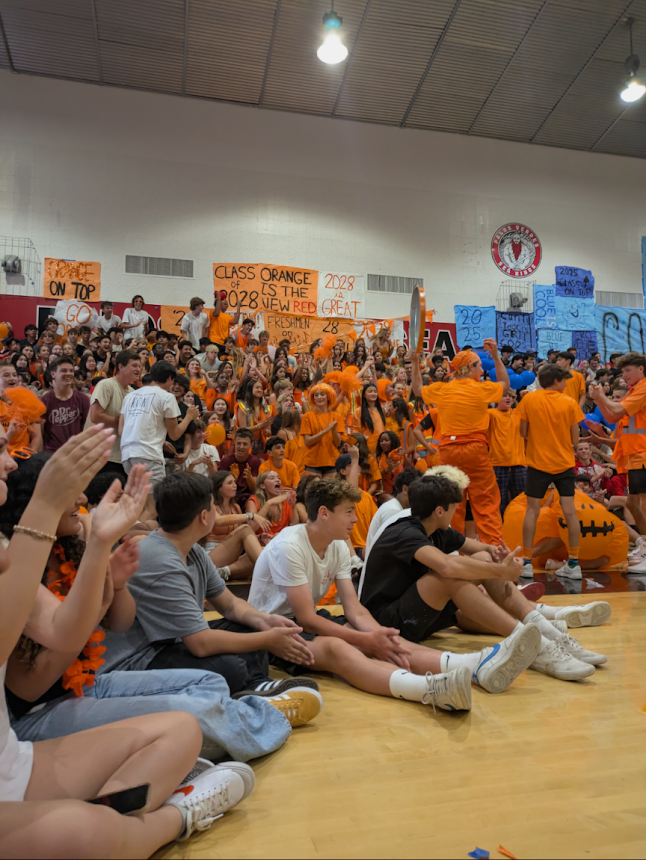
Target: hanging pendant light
{"type": "Point", "coordinates": [634, 89]}
{"type": "Point", "coordinates": [332, 51]}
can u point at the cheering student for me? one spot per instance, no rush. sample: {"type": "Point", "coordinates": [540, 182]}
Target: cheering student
{"type": "Point", "coordinates": [66, 410]}
{"type": "Point", "coordinates": [463, 405]}
{"type": "Point", "coordinates": [575, 387]}
{"type": "Point", "coordinates": [630, 449]}
{"type": "Point", "coordinates": [286, 470]}
{"type": "Point", "coordinates": [550, 423]}
{"type": "Point", "coordinates": [195, 324]}
{"type": "Point", "coordinates": [321, 430]}
{"type": "Point", "coordinates": [507, 450]}
{"type": "Point", "coordinates": [221, 321]}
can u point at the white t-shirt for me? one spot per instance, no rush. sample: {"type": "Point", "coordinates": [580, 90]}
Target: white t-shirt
{"type": "Point", "coordinates": [193, 327]}
{"type": "Point", "coordinates": [144, 427]}
{"type": "Point", "coordinates": [384, 513]}
{"type": "Point", "coordinates": [105, 325]}
{"type": "Point", "coordinates": [110, 396]}
{"type": "Point", "coordinates": [201, 468]}
{"type": "Point", "coordinates": [16, 757]}
{"type": "Point", "coordinates": [131, 316]}
{"type": "Point", "coordinates": [290, 560]}
{"type": "Point", "coordinates": [203, 358]}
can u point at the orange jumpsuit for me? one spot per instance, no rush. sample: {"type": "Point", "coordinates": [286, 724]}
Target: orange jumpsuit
{"type": "Point", "coordinates": [463, 405]}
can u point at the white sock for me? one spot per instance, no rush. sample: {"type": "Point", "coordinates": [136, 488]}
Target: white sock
{"type": "Point", "coordinates": [450, 661]}
{"type": "Point", "coordinates": [548, 612]}
{"type": "Point", "coordinates": [405, 685]}
{"type": "Point", "coordinates": [547, 630]}
{"type": "Point", "coordinates": [225, 572]}
{"type": "Point", "coordinates": [355, 561]}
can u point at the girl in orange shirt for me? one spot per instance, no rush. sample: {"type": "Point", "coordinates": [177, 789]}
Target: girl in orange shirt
{"type": "Point", "coordinates": [221, 417]}
{"type": "Point", "coordinates": [290, 431]}
{"type": "Point", "coordinates": [320, 429]}
{"type": "Point", "coordinates": [198, 379]}
{"type": "Point", "coordinates": [271, 502]}
{"type": "Point", "coordinates": [390, 459]}
{"type": "Point", "coordinates": [398, 359]}
{"type": "Point", "coordinates": [252, 412]}
{"type": "Point", "coordinates": [369, 474]}
{"type": "Point", "coordinates": [369, 418]}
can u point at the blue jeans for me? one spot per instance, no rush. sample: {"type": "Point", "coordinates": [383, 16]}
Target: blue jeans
{"type": "Point", "coordinates": [240, 729]}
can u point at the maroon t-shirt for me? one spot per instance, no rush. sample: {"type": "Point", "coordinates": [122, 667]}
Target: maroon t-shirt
{"type": "Point", "coordinates": [242, 496]}
{"type": "Point", "coordinates": [63, 418]}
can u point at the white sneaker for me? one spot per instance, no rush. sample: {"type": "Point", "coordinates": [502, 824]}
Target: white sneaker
{"type": "Point", "coordinates": [637, 565]}
{"type": "Point", "coordinates": [574, 647]}
{"type": "Point", "coordinates": [552, 564]}
{"type": "Point", "coordinates": [640, 549]}
{"type": "Point", "coordinates": [450, 691]}
{"type": "Point", "coordinates": [588, 615]}
{"type": "Point", "coordinates": [243, 770]}
{"type": "Point", "coordinates": [569, 572]}
{"type": "Point", "coordinates": [554, 660]}
{"type": "Point", "coordinates": [502, 664]}
{"type": "Point", "coordinates": [527, 571]}
{"type": "Point", "coordinates": [211, 794]}
{"type": "Point", "coordinates": [299, 705]}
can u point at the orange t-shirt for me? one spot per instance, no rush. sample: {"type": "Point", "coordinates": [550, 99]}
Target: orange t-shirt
{"type": "Point", "coordinates": [634, 402]}
{"type": "Point", "coordinates": [575, 386]}
{"type": "Point", "coordinates": [295, 452]}
{"type": "Point", "coordinates": [506, 445]}
{"type": "Point", "coordinates": [198, 387]}
{"type": "Point", "coordinates": [324, 452]}
{"type": "Point", "coordinates": [463, 407]}
{"type": "Point", "coordinates": [219, 326]}
{"type": "Point", "coordinates": [550, 416]}
{"type": "Point", "coordinates": [377, 423]}
{"type": "Point", "coordinates": [288, 473]}
{"type": "Point", "coordinates": [388, 478]}
{"type": "Point", "coordinates": [366, 479]}
{"type": "Point", "coordinates": [365, 510]}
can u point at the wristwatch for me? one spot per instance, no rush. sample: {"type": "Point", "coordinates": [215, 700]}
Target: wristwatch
{"type": "Point", "coordinates": [250, 515]}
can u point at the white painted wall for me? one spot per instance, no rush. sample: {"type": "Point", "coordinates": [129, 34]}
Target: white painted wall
{"type": "Point", "coordinates": [95, 173]}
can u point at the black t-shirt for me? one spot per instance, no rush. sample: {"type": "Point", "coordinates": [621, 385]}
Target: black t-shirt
{"type": "Point", "coordinates": [392, 567]}
{"type": "Point", "coordinates": [178, 444]}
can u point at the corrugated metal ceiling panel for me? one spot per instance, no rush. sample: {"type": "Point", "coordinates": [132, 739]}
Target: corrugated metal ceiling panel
{"type": "Point", "coordinates": [142, 44]}
{"type": "Point", "coordinates": [228, 41]}
{"type": "Point", "coordinates": [49, 43]}
{"type": "Point", "coordinates": [626, 138]}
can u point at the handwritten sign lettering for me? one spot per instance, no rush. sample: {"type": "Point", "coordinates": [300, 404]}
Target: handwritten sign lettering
{"type": "Point", "coordinates": [473, 324]}
{"type": "Point", "coordinates": [515, 330]}
{"type": "Point", "coordinates": [71, 279]}
{"type": "Point", "coordinates": [258, 287]}
{"type": "Point", "coordinates": [575, 314]}
{"type": "Point", "coordinates": [574, 283]}
{"type": "Point", "coordinates": [170, 319]}
{"type": "Point", "coordinates": [585, 343]}
{"type": "Point", "coordinates": [544, 306]}
{"type": "Point", "coordinates": [553, 339]}
{"type": "Point", "coordinates": [620, 330]}
{"type": "Point", "coordinates": [302, 331]}
{"type": "Point", "coordinates": [341, 295]}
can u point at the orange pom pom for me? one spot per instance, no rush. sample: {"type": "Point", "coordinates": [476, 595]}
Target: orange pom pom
{"type": "Point", "coordinates": [333, 377]}
{"type": "Point", "coordinates": [325, 350]}
{"type": "Point", "coordinates": [27, 407]}
{"type": "Point", "coordinates": [350, 382]}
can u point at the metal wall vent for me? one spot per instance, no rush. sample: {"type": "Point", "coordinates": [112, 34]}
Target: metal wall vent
{"type": "Point", "coordinates": [161, 267]}
{"type": "Point", "coordinates": [619, 300]}
{"type": "Point", "coordinates": [392, 284]}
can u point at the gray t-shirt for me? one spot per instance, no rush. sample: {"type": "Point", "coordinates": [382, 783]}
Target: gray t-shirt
{"type": "Point", "coordinates": [170, 602]}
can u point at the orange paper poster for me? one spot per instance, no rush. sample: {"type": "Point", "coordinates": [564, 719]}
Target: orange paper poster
{"type": "Point", "coordinates": [264, 287]}
{"type": "Point", "coordinates": [302, 331]}
{"type": "Point", "coordinates": [170, 318]}
{"type": "Point", "coordinates": [72, 279]}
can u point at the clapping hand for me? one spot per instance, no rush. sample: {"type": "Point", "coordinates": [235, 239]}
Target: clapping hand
{"type": "Point", "coordinates": [118, 511]}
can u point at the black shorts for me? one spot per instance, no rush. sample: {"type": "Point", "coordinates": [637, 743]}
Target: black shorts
{"type": "Point", "coordinates": [297, 668]}
{"type": "Point", "coordinates": [538, 482]}
{"type": "Point", "coordinates": [320, 470]}
{"type": "Point", "coordinates": [414, 618]}
{"type": "Point", "coordinates": [637, 481]}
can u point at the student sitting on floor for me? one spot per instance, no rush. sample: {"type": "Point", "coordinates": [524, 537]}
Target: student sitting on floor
{"type": "Point", "coordinates": [297, 569]}
{"type": "Point", "coordinates": [412, 582]}
{"type": "Point", "coordinates": [174, 578]}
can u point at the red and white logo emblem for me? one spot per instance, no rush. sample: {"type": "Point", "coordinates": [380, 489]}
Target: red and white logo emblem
{"type": "Point", "coordinates": [516, 250]}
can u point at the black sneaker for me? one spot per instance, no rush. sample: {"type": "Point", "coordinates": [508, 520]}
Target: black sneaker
{"type": "Point", "coordinates": [275, 688]}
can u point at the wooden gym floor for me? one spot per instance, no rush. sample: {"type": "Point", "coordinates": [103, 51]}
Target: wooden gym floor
{"type": "Point", "coordinates": [548, 769]}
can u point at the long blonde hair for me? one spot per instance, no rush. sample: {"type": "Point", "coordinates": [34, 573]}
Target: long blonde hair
{"type": "Point", "coordinates": [261, 495]}
{"type": "Point", "coordinates": [238, 357]}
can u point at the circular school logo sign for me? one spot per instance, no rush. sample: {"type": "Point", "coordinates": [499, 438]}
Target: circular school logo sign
{"type": "Point", "coordinates": [516, 250]}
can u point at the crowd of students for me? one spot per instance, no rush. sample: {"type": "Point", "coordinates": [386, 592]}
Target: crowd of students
{"type": "Point", "coordinates": [142, 471]}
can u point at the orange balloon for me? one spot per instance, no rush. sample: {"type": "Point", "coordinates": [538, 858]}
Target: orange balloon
{"type": "Point", "coordinates": [215, 434]}
{"type": "Point", "coordinates": [4, 331]}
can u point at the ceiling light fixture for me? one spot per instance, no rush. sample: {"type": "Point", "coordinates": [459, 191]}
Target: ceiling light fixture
{"type": "Point", "coordinates": [634, 89]}
{"type": "Point", "coordinates": [332, 51]}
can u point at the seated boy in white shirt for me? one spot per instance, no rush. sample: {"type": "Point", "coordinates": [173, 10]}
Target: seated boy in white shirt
{"type": "Point", "coordinates": [296, 570]}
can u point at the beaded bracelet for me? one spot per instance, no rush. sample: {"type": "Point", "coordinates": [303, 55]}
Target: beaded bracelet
{"type": "Point", "coordinates": [34, 533]}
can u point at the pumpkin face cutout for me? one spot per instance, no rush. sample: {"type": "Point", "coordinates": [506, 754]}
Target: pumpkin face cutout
{"type": "Point", "coordinates": [602, 533]}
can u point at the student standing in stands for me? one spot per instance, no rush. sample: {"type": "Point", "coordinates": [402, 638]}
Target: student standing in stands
{"type": "Point", "coordinates": [195, 324]}
{"type": "Point", "coordinates": [135, 320]}
{"type": "Point", "coordinates": [107, 399]}
{"type": "Point", "coordinates": [67, 409]}
{"type": "Point", "coordinates": [507, 450]}
{"type": "Point", "coordinates": [575, 387]}
{"type": "Point", "coordinates": [221, 321]}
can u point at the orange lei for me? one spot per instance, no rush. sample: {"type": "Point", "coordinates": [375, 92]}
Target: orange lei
{"type": "Point", "coordinates": [81, 672]}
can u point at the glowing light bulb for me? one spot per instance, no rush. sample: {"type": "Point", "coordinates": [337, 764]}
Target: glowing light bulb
{"type": "Point", "coordinates": [633, 92]}
{"type": "Point", "coordinates": [332, 51]}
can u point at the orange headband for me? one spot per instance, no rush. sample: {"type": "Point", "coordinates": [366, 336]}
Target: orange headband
{"type": "Point", "coordinates": [464, 359]}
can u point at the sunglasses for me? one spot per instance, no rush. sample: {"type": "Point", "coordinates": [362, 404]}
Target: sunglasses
{"type": "Point", "coordinates": [22, 453]}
